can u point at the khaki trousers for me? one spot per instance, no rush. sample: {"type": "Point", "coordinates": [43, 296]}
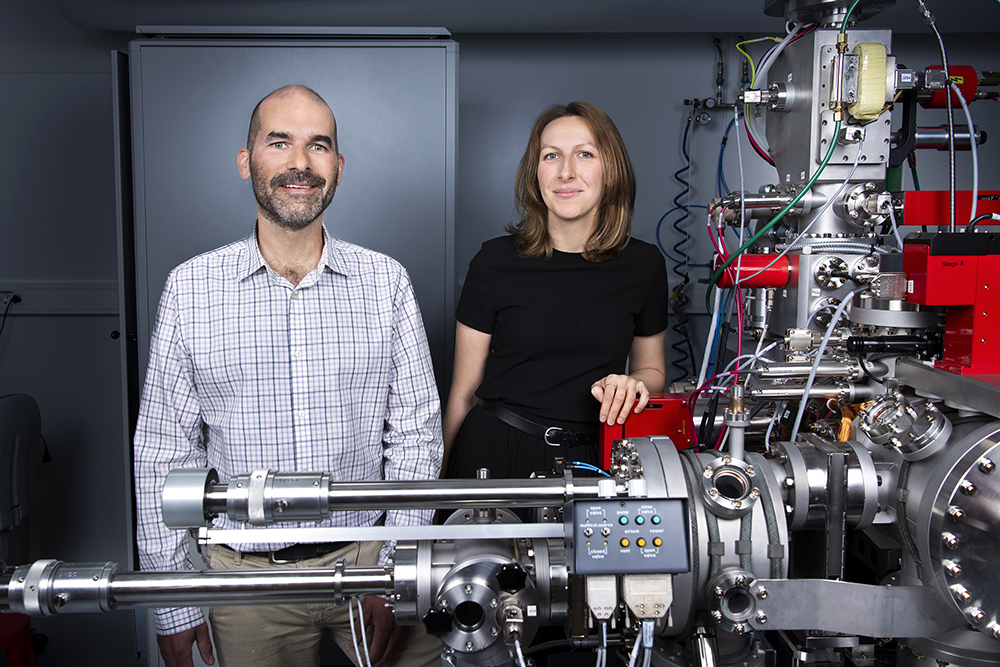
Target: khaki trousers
{"type": "Point", "coordinates": [289, 635]}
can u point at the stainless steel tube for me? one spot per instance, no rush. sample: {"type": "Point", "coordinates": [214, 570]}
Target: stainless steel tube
{"type": "Point", "coordinates": [849, 369]}
{"type": "Point", "coordinates": [438, 493]}
{"type": "Point", "coordinates": [47, 588]}
{"type": "Point", "coordinates": [851, 392]}
{"type": "Point", "coordinates": [246, 587]}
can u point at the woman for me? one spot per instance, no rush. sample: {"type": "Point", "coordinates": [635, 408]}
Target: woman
{"type": "Point", "coordinates": [549, 315]}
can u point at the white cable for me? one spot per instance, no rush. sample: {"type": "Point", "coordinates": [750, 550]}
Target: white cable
{"type": "Point", "coordinates": [972, 147]}
{"type": "Point", "coordinates": [761, 76]}
{"type": "Point", "coordinates": [772, 54]}
{"type": "Point", "coordinates": [895, 227]}
{"type": "Point", "coordinates": [779, 407]}
{"type": "Point", "coordinates": [711, 337]}
{"type": "Point", "coordinates": [819, 358]}
{"type": "Point", "coordinates": [364, 640]}
{"type": "Point", "coordinates": [635, 652]}
{"type": "Point", "coordinates": [354, 637]}
{"type": "Point", "coordinates": [758, 355]}
{"type": "Point", "coordinates": [517, 648]}
{"type": "Point", "coordinates": [828, 204]}
{"type": "Point", "coordinates": [739, 152]}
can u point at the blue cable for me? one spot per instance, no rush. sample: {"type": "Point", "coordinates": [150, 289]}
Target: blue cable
{"type": "Point", "coordinates": [587, 466]}
{"type": "Point", "coordinates": [721, 176]}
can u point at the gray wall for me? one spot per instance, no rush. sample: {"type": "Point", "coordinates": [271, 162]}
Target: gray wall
{"type": "Point", "coordinates": [57, 219]}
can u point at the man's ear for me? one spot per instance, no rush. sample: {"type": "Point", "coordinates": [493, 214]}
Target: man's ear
{"type": "Point", "coordinates": [243, 163]}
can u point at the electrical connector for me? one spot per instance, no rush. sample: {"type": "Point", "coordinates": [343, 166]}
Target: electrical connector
{"type": "Point", "coordinates": [7, 298]}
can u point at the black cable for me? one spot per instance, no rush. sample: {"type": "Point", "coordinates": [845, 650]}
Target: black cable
{"type": "Point", "coordinates": [977, 220]}
{"type": "Point", "coordinates": [46, 457]}
{"type": "Point", "coordinates": [928, 18]}
{"type": "Point", "coordinates": [14, 299]}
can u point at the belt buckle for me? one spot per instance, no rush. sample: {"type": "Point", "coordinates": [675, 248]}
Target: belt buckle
{"type": "Point", "coordinates": [552, 430]}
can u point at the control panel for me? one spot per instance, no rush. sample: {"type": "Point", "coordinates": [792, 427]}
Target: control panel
{"type": "Point", "coordinates": [627, 535]}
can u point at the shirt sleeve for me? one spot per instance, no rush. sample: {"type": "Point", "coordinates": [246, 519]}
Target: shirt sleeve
{"type": "Point", "coordinates": [655, 314]}
{"type": "Point", "coordinates": [168, 436]}
{"type": "Point", "coordinates": [477, 307]}
{"type": "Point", "coordinates": [412, 444]}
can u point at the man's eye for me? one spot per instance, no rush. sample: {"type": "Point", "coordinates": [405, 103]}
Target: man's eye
{"type": "Point", "coordinates": [278, 144]}
{"type": "Point", "coordinates": [319, 148]}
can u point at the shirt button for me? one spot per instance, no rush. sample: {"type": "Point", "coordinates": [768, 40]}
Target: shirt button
{"type": "Point", "coordinates": [295, 296]}
{"type": "Point", "coordinates": [297, 354]}
{"type": "Point", "coordinates": [300, 413]}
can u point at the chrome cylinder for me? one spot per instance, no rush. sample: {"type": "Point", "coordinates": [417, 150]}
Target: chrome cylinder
{"type": "Point", "coordinates": [265, 496]}
{"type": "Point", "coordinates": [50, 587]}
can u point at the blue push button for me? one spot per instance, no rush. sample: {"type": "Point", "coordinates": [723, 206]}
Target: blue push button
{"type": "Point", "coordinates": [656, 519]}
{"type": "Point", "coordinates": [640, 520]}
{"type": "Point", "coordinates": [623, 520]}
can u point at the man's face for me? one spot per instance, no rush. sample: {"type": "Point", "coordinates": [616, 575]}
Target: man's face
{"type": "Point", "coordinates": [294, 166]}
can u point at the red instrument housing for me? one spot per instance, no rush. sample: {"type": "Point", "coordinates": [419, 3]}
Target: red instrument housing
{"type": "Point", "coordinates": [666, 414]}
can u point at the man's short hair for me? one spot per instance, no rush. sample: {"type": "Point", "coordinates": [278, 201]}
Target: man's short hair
{"type": "Point", "coordinates": [284, 91]}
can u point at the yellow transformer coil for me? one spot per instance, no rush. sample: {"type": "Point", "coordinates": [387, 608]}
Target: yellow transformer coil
{"type": "Point", "coordinates": [872, 64]}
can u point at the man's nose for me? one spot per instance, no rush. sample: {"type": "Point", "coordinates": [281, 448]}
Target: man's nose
{"type": "Point", "coordinates": [298, 158]}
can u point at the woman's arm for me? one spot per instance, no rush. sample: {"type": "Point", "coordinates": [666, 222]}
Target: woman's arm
{"type": "Point", "coordinates": [648, 365]}
{"type": "Point", "coordinates": [471, 349]}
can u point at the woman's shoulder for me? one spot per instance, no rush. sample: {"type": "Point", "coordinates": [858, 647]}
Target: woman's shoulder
{"type": "Point", "coordinates": [503, 243]}
{"type": "Point", "coordinates": [638, 250]}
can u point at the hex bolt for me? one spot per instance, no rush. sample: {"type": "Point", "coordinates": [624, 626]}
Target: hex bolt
{"type": "Point", "coordinates": [468, 588]}
{"type": "Point", "coordinates": [995, 630]}
{"type": "Point", "coordinates": [956, 513]}
{"type": "Point", "coordinates": [761, 617]}
{"type": "Point", "coordinates": [762, 593]}
{"type": "Point", "coordinates": [987, 467]}
{"type": "Point", "coordinates": [968, 488]}
{"type": "Point", "coordinates": [494, 632]}
{"type": "Point", "coordinates": [469, 646]}
{"type": "Point", "coordinates": [741, 580]}
{"type": "Point", "coordinates": [949, 540]}
{"type": "Point", "coordinates": [953, 568]}
{"type": "Point", "coordinates": [719, 592]}
{"type": "Point", "coordinates": [493, 602]}
{"type": "Point", "coordinates": [717, 615]}
{"type": "Point", "coordinates": [740, 629]}
{"type": "Point", "coordinates": [962, 594]}
{"type": "Point", "coordinates": [977, 614]}
{"type": "Point", "coordinates": [61, 599]}
{"type": "Point", "coordinates": [789, 482]}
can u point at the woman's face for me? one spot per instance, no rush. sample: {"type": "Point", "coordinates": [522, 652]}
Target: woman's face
{"type": "Point", "coordinates": [570, 172]}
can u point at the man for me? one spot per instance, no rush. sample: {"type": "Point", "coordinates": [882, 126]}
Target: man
{"type": "Point", "coordinates": [294, 351]}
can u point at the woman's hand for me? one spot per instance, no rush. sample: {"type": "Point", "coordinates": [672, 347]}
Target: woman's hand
{"type": "Point", "coordinates": [618, 394]}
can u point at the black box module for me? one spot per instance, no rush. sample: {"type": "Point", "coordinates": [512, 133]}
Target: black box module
{"type": "Point", "coordinates": [627, 535]}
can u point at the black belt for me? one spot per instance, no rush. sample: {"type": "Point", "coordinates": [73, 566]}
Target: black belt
{"type": "Point", "coordinates": [297, 552]}
{"type": "Point", "coordinates": [554, 436]}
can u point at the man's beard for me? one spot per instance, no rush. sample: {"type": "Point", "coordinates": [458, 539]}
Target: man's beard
{"type": "Point", "coordinates": [291, 214]}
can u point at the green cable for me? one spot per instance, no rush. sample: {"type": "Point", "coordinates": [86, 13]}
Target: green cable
{"type": "Point", "coordinates": [777, 218]}
{"type": "Point", "coordinates": [843, 26]}
{"type": "Point", "coordinates": [798, 197]}
{"type": "Point", "coordinates": [913, 171]}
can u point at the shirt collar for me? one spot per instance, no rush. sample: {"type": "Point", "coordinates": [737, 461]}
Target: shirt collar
{"type": "Point", "coordinates": [332, 257]}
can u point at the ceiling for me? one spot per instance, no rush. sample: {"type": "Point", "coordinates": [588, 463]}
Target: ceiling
{"type": "Point", "coordinates": [505, 16]}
